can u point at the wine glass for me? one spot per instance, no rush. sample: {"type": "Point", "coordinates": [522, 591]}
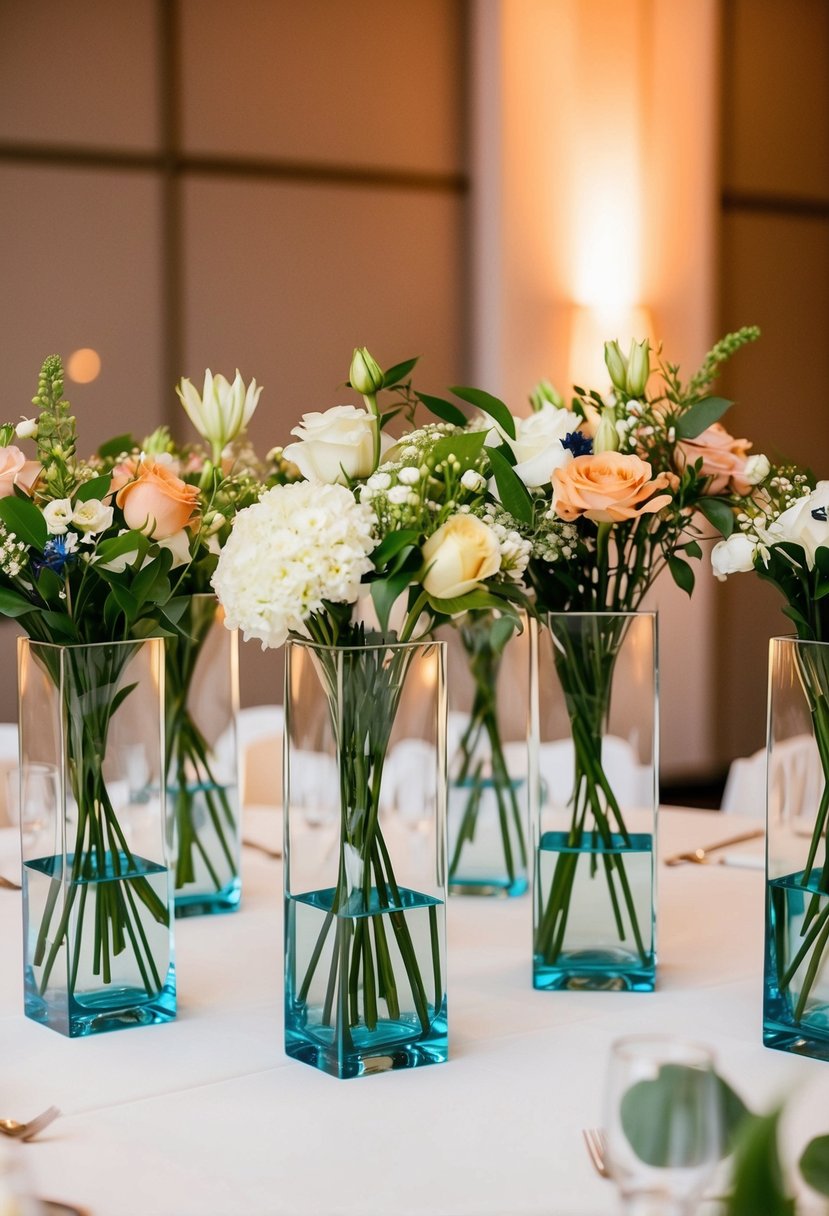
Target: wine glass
{"type": "Point", "coordinates": [664, 1123]}
{"type": "Point", "coordinates": [32, 800]}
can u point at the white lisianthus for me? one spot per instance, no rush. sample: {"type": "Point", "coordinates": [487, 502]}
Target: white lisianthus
{"type": "Point", "coordinates": [805, 523]}
{"type": "Point", "coordinates": [58, 515]}
{"type": "Point", "coordinates": [300, 545]}
{"type": "Point", "coordinates": [222, 411]}
{"type": "Point", "coordinates": [537, 444]}
{"type": "Point", "coordinates": [459, 556]}
{"type": "Point", "coordinates": [26, 428]}
{"type": "Point", "coordinates": [92, 516]}
{"type": "Point", "coordinates": [735, 555]}
{"type": "Point", "coordinates": [757, 469]}
{"type": "Point", "coordinates": [334, 446]}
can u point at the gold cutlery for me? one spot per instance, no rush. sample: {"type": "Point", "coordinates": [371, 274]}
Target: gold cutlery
{"type": "Point", "coordinates": [700, 856]}
{"type": "Point", "coordinates": [6, 884]}
{"type": "Point", "coordinates": [25, 1131]}
{"type": "Point", "coordinates": [596, 1143]}
{"type": "Point", "coordinates": [263, 848]}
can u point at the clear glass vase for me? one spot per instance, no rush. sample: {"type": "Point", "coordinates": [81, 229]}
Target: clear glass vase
{"type": "Point", "coordinates": [202, 701]}
{"type": "Point", "coordinates": [97, 886]}
{"type": "Point", "coordinates": [594, 796]}
{"type": "Point", "coordinates": [365, 856]}
{"type": "Point", "coordinates": [488, 690]}
{"type": "Point", "coordinates": [796, 989]}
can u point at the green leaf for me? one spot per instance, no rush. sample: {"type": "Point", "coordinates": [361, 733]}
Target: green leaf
{"type": "Point", "coordinates": [814, 1164]}
{"type": "Point", "coordinates": [445, 410]}
{"type": "Point", "coordinates": [718, 513]}
{"type": "Point", "coordinates": [681, 573]}
{"type": "Point", "coordinates": [665, 1119]}
{"type": "Point", "coordinates": [120, 697]}
{"type": "Point", "coordinates": [503, 628]}
{"type": "Point", "coordinates": [21, 516]}
{"type": "Point", "coordinates": [693, 549]}
{"type": "Point", "coordinates": [60, 626]}
{"type": "Point", "coordinates": [117, 546]}
{"type": "Point", "coordinates": [125, 600]}
{"type": "Point", "coordinates": [465, 447]}
{"type": "Point", "coordinates": [699, 416]}
{"type": "Point", "coordinates": [757, 1178]}
{"type": "Point", "coordinates": [511, 489]}
{"type": "Point", "coordinates": [390, 415]}
{"type": "Point", "coordinates": [12, 604]}
{"type": "Point", "coordinates": [399, 372]}
{"type": "Point", "coordinates": [384, 592]}
{"type": "Point", "coordinates": [116, 447]}
{"type": "Point", "coordinates": [473, 601]}
{"type": "Point", "coordinates": [390, 546]}
{"type": "Point", "coordinates": [98, 487]}
{"type": "Point", "coordinates": [490, 405]}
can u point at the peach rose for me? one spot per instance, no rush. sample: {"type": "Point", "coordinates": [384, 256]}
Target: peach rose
{"type": "Point", "coordinates": [157, 502]}
{"type": "Point", "coordinates": [608, 488]}
{"type": "Point", "coordinates": [723, 459]}
{"type": "Point", "coordinates": [16, 470]}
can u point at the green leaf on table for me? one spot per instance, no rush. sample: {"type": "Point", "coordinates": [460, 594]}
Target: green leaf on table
{"type": "Point", "coordinates": [699, 416]}
{"type": "Point", "coordinates": [25, 520]}
{"type": "Point", "coordinates": [681, 573]}
{"type": "Point", "coordinates": [814, 1164]}
{"type": "Point", "coordinates": [399, 372]}
{"type": "Point", "coordinates": [757, 1176]}
{"type": "Point", "coordinates": [12, 604]}
{"type": "Point", "coordinates": [490, 405]}
{"type": "Point", "coordinates": [718, 513]}
{"type": "Point", "coordinates": [447, 411]}
{"type": "Point", "coordinates": [513, 493]}
{"type": "Point", "coordinates": [665, 1119]}
{"type": "Point", "coordinates": [98, 487]}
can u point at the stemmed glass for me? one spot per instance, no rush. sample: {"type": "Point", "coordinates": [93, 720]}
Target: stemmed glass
{"type": "Point", "coordinates": [664, 1124]}
{"type": "Point", "coordinates": [32, 799]}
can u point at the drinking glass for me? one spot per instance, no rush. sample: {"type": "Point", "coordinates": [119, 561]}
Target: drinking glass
{"type": "Point", "coordinates": [663, 1120]}
{"type": "Point", "coordinates": [31, 798]}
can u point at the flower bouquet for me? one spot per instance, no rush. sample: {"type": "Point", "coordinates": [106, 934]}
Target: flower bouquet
{"type": "Point", "coordinates": [355, 567]}
{"type": "Point", "coordinates": [91, 583]}
{"type": "Point", "coordinates": [606, 493]}
{"type": "Point", "coordinates": [781, 532]}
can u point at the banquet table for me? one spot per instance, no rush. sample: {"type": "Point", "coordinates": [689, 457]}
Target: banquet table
{"type": "Point", "coordinates": [206, 1116]}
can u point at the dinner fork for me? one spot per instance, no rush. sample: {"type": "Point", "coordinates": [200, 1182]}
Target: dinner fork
{"type": "Point", "coordinates": [262, 848]}
{"type": "Point", "coordinates": [26, 1131]}
{"type": "Point", "coordinates": [596, 1143]}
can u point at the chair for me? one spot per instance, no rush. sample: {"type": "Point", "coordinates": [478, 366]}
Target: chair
{"type": "Point", "coordinates": [795, 781]}
{"type": "Point", "coordinates": [9, 759]}
{"type": "Point", "coordinates": [259, 731]}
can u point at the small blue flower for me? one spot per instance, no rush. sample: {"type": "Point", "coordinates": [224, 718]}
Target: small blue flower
{"type": "Point", "coordinates": [578, 444]}
{"type": "Point", "coordinates": [57, 554]}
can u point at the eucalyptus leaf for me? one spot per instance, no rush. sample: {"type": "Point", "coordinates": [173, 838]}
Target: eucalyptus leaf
{"type": "Point", "coordinates": [25, 520]}
{"type": "Point", "coordinates": [513, 493]}
{"type": "Point", "coordinates": [718, 513]}
{"type": "Point", "coordinates": [447, 411]}
{"type": "Point", "coordinates": [490, 405]}
{"type": "Point", "coordinates": [699, 416]}
{"type": "Point", "coordinates": [665, 1119]}
{"type": "Point", "coordinates": [814, 1164]}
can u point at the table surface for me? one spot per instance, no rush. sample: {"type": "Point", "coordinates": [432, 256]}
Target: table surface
{"type": "Point", "coordinates": [206, 1115]}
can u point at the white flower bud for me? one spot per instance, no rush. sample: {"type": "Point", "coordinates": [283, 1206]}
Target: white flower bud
{"type": "Point", "coordinates": [473, 480]}
{"type": "Point", "coordinates": [398, 496]}
{"type": "Point", "coordinates": [408, 476]}
{"type": "Point", "coordinates": [27, 429]}
{"type": "Point", "coordinates": [757, 469]}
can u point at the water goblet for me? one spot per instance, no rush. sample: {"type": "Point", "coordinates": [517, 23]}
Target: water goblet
{"type": "Point", "coordinates": [664, 1123]}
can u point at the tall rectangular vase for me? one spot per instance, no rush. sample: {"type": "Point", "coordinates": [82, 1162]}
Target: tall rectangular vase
{"type": "Point", "coordinates": [96, 844]}
{"type": "Point", "coordinates": [365, 884]}
{"type": "Point", "coordinates": [796, 989]}
{"type": "Point", "coordinates": [594, 797]}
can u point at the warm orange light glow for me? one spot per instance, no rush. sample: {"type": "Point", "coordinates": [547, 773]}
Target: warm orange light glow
{"type": "Point", "coordinates": [591, 328]}
{"type": "Point", "coordinates": [84, 365]}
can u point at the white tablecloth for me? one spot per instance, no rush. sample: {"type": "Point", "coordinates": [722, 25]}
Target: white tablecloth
{"type": "Point", "coordinates": [207, 1116]}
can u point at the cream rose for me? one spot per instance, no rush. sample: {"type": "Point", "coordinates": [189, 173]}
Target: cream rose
{"type": "Point", "coordinates": [335, 446]}
{"type": "Point", "coordinates": [724, 459]}
{"type": "Point", "coordinates": [537, 444]}
{"type": "Point", "coordinates": [735, 555]}
{"type": "Point", "coordinates": [92, 516]}
{"type": "Point", "coordinates": [16, 470]}
{"type": "Point", "coordinates": [157, 502]}
{"type": "Point", "coordinates": [805, 523]}
{"type": "Point", "coordinates": [608, 488]}
{"type": "Point", "coordinates": [461, 554]}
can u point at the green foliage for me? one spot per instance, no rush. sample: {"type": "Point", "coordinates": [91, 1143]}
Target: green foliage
{"type": "Point", "coordinates": [493, 406]}
{"type": "Point", "coordinates": [514, 495]}
{"type": "Point", "coordinates": [25, 520]}
{"type": "Point", "coordinates": [445, 410]}
{"type": "Point", "coordinates": [758, 1185]}
{"type": "Point", "coordinates": [702, 414]}
{"type": "Point", "coordinates": [814, 1164]}
{"type": "Point", "coordinates": [665, 1119]}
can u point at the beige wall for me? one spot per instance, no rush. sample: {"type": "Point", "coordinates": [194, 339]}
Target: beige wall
{"type": "Point", "coordinates": [317, 202]}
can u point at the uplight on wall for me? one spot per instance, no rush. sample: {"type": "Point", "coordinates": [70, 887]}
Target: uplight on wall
{"type": "Point", "coordinates": [592, 326]}
{"type": "Point", "coordinates": [84, 365]}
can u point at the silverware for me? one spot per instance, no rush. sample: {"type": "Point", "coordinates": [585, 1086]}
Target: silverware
{"type": "Point", "coordinates": [26, 1131]}
{"type": "Point", "coordinates": [263, 848]}
{"type": "Point", "coordinates": [7, 885]}
{"type": "Point", "coordinates": [596, 1143]}
{"type": "Point", "coordinates": [700, 856]}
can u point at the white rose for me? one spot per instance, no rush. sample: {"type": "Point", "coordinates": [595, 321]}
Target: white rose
{"type": "Point", "coordinates": [537, 443]}
{"type": "Point", "coordinates": [805, 523]}
{"type": "Point", "coordinates": [92, 516]}
{"type": "Point", "coordinates": [335, 446]}
{"type": "Point", "coordinates": [58, 516]}
{"type": "Point", "coordinates": [457, 557]}
{"type": "Point", "coordinates": [733, 556]}
{"type": "Point", "coordinates": [757, 469]}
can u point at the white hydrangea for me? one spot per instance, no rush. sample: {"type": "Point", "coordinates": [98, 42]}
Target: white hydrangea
{"type": "Point", "coordinates": [300, 545]}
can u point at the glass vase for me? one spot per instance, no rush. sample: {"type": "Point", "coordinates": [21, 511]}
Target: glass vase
{"type": "Point", "coordinates": [488, 696]}
{"type": "Point", "coordinates": [594, 797]}
{"type": "Point", "coordinates": [796, 989]}
{"type": "Point", "coordinates": [97, 886]}
{"type": "Point", "coordinates": [202, 701]}
{"type": "Point", "coordinates": [365, 856]}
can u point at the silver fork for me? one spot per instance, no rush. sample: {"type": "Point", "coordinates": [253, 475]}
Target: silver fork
{"type": "Point", "coordinates": [596, 1143]}
{"type": "Point", "coordinates": [26, 1131]}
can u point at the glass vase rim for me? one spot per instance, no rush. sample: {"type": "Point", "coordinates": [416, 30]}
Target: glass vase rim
{"type": "Point", "coordinates": [604, 612]}
{"type": "Point", "coordinates": [794, 639]}
{"type": "Point", "coordinates": [627, 1046]}
{"type": "Point", "coordinates": [310, 644]}
{"type": "Point", "coordinates": [27, 641]}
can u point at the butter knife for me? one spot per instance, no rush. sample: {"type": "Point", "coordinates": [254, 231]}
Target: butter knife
{"type": "Point", "coordinates": [700, 856]}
